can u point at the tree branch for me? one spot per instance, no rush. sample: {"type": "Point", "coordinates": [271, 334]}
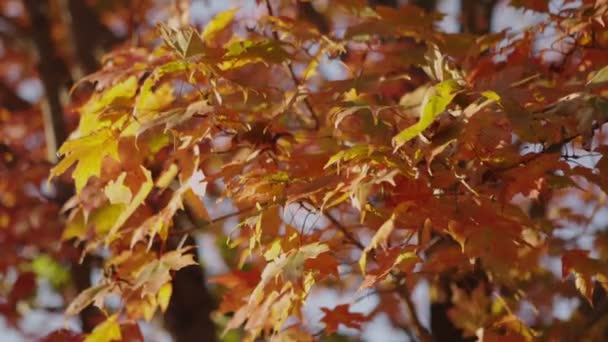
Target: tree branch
{"type": "Point", "coordinates": [88, 34]}
{"type": "Point", "coordinates": [10, 100]}
{"type": "Point", "coordinates": [292, 73]}
{"type": "Point", "coordinates": [421, 332]}
{"type": "Point", "coordinates": [52, 73]}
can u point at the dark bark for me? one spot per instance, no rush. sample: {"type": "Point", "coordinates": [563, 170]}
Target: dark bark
{"type": "Point", "coordinates": [10, 100]}
{"type": "Point", "coordinates": [188, 316]}
{"type": "Point", "coordinates": [89, 35]}
{"type": "Point", "coordinates": [55, 77]}
{"type": "Point", "coordinates": [477, 16]}
{"type": "Point", "coordinates": [307, 12]}
{"type": "Point", "coordinates": [388, 3]}
{"type": "Point", "coordinates": [53, 74]}
{"type": "Point", "coordinates": [81, 275]}
{"type": "Point", "coordinates": [427, 5]}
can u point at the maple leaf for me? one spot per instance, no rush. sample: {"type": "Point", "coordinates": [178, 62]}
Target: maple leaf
{"type": "Point", "coordinates": [95, 294]}
{"type": "Point", "coordinates": [217, 24]}
{"type": "Point", "coordinates": [388, 261]}
{"type": "Point", "coordinates": [107, 331]}
{"type": "Point", "coordinates": [577, 261]}
{"type": "Point", "coordinates": [154, 275]}
{"type": "Point", "coordinates": [379, 239]}
{"type": "Point", "coordinates": [436, 101]}
{"type": "Point", "coordinates": [186, 42]}
{"type": "Point", "coordinates": [88, 154]}
{"type": "Point", "coordinates": [137, 200]}
{"type": "Point", "coordinates": [341, 314]}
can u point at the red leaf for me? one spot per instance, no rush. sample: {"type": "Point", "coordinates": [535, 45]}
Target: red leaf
{"type": "Point", "coordinates": [130, 332]}
{"type": "Point", "coordinates": [23, 287]}
{"type": "Point", "coordinates": [63, 335]}
{"type": "Point", "coordinates": [340, 315]}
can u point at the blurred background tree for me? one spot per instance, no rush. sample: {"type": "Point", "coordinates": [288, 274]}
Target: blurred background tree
{"type": "Point", "coordinates": [48, 46]}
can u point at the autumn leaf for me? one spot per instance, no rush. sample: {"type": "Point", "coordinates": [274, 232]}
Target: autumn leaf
{"type": "Point", "coordinates": [137, 200]}
{"type": "Point", "coordinates": [63, 335]}
{"type": "Point", "coordinates": [217, 24]}
{"type": "Point", "coordinates": [95, 294]}
{"type": "Point", "coordinates": [436, 101]}
{"type": "Point", "coordinates": [88, 154]}
{"type": "Point", "coordinates": [599, 77]}
{"type": "Point", "coordinates": [186, 42]}
{"type": "Point", "coordinates": [107, 331]}
{"type": "Point", "coordinates": [379, 240]}
{"type": "Point", "coordinates": [341, 314]}
{"type": "Point", "coordinates": [164, 295]}
{"type": "Point", "coordinates": [117, 192]}
{"type": "Point", "coordinates": [153, 276]}
{"type": "Point", "coordinates": [585, 269]}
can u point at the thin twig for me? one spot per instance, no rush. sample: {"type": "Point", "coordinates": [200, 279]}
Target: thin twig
{"type": "Point", "coordinates": [293, 75]}
{"type": "Point", "coordinates": [421, 332]}
{"type": "Point", "coordinates": [218, 219]}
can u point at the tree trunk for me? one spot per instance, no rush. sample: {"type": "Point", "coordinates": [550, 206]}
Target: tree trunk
{"type": "Point", "coordinates": [188, 316]}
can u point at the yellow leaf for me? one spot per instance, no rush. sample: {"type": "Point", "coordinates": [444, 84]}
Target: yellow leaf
{"type": "Point", "coordinates": [435, 102]}
{"type": "Point", "coordinates": [164, 295]}
{"type": "Point", "coordinates": [107, 331]}
{"type": "Point", "coordinates": [379, 239]}
{"type": "Point", "coordinates": [217, 24]}
{"type": "Point", "coordinates": [120, 93]}
{"type": "Point", "coordinates": [167, 176]}
{"type": "Point", "coordinates": [75, 228]}
{"type": "Point", "coordinates": [150, 101]}
{"type": "Point", "coordinates": [273, 251]}
{"type": "Point", "coordinates": [139, 198]}
{"type": "Point", "coordinates": [104, 218]}
{"type": "Point", "coordinates": [88, 154]}
{"type": "Point", "coordinates": [117, 192]}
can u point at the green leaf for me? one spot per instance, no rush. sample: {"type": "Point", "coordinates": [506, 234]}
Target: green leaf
{"type": "Point", "coordinates": [217, 24]}
{"type": "Point", "coordinates": [436, 101]}
{"type": "Point", "coordinates": [491, 95]}
{"type": "Point", "coordinates": [347, 155]}
{"type": "Point", "coordinates": [599, 77]}
{"type": "Point", "coordinates": [46, 267]}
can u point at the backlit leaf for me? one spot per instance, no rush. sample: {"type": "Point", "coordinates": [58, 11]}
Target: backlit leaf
{"type": "Point", "coordinates": [107, 331]}
{"type": "Point", "coordinates": [88, 154]}
{"type": "Point", "coordinates": [436, 101]}
{"type": "Point", "coordinates": [217, 24]}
